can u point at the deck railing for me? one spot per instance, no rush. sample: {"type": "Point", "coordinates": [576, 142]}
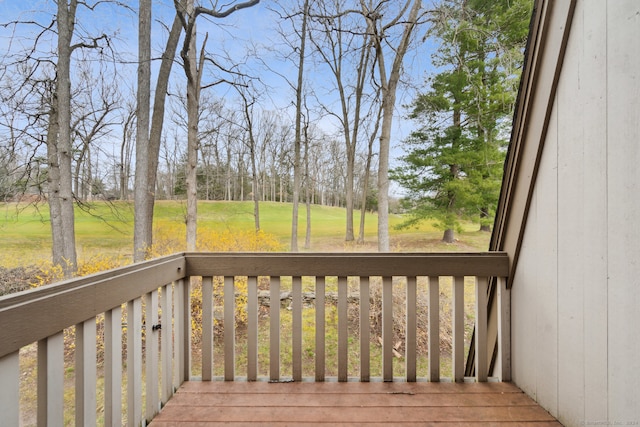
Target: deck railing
{"type": "Point", "coordinates": [147, 307]}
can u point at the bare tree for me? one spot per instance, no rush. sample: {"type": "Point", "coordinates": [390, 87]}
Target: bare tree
{"type": "Point", "coordinates": [389, 77]}
{"type": "Point", "coordinates": [346, 51]}
{"type": "Point", "coordinates": [193, 67]}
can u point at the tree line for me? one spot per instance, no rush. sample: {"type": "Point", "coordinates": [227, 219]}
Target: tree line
{"type": "Point", "coordinates": [218, 126]}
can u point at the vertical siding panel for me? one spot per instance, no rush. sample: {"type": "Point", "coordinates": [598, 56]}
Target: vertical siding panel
{"type": "Point", "coordinates": [10, 389]}
{"type": "Point", "coordinates": [504, 329]}
{"type": "Point", "coordinates": [623, 113]}
{"type": "Point", "coordinates": [594, 188]}
{"type": "Point", "coordinates": [524, 301]}
{"type": "Point", "coordinates": [545, 286]}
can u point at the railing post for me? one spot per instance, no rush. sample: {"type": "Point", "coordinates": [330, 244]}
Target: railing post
{"type": "Point", "coordinates": [365, 330]}
{"type": "Point", "coordinates": [113, 367]}
{"type": "Point", "coordinates": [229, 328]}
{"type": "Point", "coordinates": [178, 337]}
{"type": "Point", "coordinates": [296, 317]}
{"type": "Point", "coordinates": [167, 342]}
{"type": "Point", "coordinates": [504, 329]}
{"type": "Point", "coordinates": [134, 362]}
{"type": "Point", "coordinates": [186, 334]}
{"type": "Point", "coordinates": [85, 373]}
{"type": "Point", "coordinates": [434, 328]}
{"type": "Point", "coordinates": [274, 329]}
{"type": "Point", "coordinates": [458, 329]}
{"type": "Point", "coordinates": [10, 389]}
{"type": "Point", "coordinates": [343, 332]}
{"type": "Point", "coordinates": [252, 328]}
{"type": "Point", "coordinates": [387, 329]}
{"type": "Point", "coordinates": [207, 328]}
{"type": "Point", "coordinates": [320, 328]}
{"type": "Point", "coordinates": [51, 381]}
{"type": "Point", "coordinates": [151, 354]}
{"type": "Point", "coordinates": [481, 329]}
{"type": "Point", "coordinates": [411, 343]}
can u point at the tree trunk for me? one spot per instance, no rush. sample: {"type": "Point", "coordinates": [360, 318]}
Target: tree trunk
{"type": "Point", "coordinates": [298, 136]}
{"type": "Point", "coordinates": [448, 236]}
{"type": "Point", "coordinates": [193, 73]}
{"type": "Point", "coordinates": [142, 238]}
{"type": "Point", "coordinates": [66, 19]}
{"type": "Point", "coordinates": [389, 88]}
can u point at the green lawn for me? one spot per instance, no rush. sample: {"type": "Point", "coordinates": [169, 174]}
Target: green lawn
{"type": "Point", "coordinates": [107, 228]}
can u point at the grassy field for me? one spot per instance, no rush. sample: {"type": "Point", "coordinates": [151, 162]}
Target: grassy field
{"type": "Point", "coordinates": [107, 229]}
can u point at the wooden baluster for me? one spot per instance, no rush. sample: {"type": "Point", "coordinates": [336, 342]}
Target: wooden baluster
{"type": "Point", "coordinates": [252, 328]}
{"type": "Point", "coordinates": [10, 390]}
{"type": "Point", "coordinates": [274, 329]}
{"type": "Point", "coordinates": [458, 329]}
{"type": "Point", "coordinates": [113, 367]}
{"type": "Point", "coordinates": [207, 328]}
{"type": "Point", "coordinates": [504, 329]}
{"type": "Point", "coordinates": [167, 343]}
{"type": "Point", "coordinates": [151, 354]}
{"type": "Point", "coordinates": [229, 329]}
{"type": "Point", "coordinates": [387, 328]}
{"type": "Point", "coordinates": [296, 305]}
{"type": "Point", "coordinates": [481, 329]}
{"type": "Point", "coordinates": [178, 340]}
{"type": "Point", "coordinates": [411, 322]}
{"type": "Point", "coordinates": [343, 332]}
{"type": "Point", "coordinates": [320, 328]}
{"type": "Point", "coordinates": [434, 328]}
{"type": "Point", "coordinates": [365, 331]}
{"type": "Point", "coordinates": [134, 362]}
{"type": "Point", "coordinates": [51, 381]}
{"type": "Point", "coordinates": [85, 373]}
{"type": "Point", "coordinates": [186, 334]}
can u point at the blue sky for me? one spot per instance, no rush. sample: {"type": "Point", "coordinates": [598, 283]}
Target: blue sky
{"type": "Point", "coordinates": [250, 26]}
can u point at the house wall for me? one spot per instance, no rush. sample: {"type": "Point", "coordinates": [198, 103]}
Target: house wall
{"type": "Point", "coordinates": [576, 288]}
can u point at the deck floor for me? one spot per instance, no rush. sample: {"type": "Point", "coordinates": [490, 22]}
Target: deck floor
{"type": "Point", "coordinates": [335, 404]}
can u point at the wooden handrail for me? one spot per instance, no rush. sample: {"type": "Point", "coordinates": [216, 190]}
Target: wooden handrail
{"type": "Point", "coordinates": [159, 293]}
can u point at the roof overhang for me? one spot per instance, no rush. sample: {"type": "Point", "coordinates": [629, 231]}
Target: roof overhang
{"type": "Point", "coordinates": [549, 32]}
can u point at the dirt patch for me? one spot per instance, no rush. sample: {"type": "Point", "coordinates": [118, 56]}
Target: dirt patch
{"type": "Point", "coordinates": [17, 279]}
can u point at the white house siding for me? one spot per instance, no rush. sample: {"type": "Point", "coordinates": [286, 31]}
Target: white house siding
{"type": "Point", "coordinates": [576, 290]}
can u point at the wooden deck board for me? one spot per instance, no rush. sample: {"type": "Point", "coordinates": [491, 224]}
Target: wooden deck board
{"type": "Point", "coordinates": [261, 403]}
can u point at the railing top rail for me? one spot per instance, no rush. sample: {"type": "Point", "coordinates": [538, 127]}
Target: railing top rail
{"type": "Point", "coordinates": [31, 315]}
{"type": "Point", "coordinates": [488, 264]}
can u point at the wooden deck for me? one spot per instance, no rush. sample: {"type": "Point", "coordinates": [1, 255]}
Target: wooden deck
{"type": "Point", "coordinates": [332, 403]}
